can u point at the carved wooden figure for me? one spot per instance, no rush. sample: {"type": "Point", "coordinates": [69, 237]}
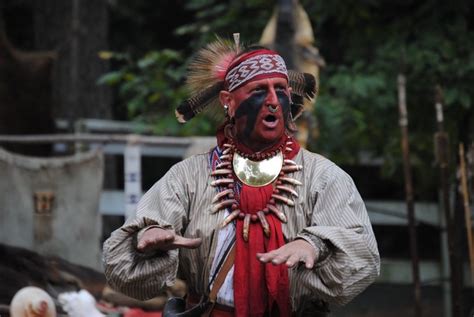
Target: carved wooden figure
{"type": "Point", "coordinates": [289, 32]}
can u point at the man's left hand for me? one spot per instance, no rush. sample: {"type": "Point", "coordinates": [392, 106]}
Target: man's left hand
{"type": "Point", "coordinates": [291, 254]}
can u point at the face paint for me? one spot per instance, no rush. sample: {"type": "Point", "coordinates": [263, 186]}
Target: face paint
{"type": "Point", "coordinates": [284, 101]}
{"type": "Point", "coordinates": [248, 110]}
{"type": "Point", "coordinates": [256, 126]}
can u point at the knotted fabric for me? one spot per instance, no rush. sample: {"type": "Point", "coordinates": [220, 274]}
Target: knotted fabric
{"type": "Point", "coordinates": [259, 287]}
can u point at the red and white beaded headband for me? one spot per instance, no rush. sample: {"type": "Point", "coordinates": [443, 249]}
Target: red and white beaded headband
{"type": "Point", "coordinates": [255, 65]}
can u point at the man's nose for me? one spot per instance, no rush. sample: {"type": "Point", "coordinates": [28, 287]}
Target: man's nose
{"type": "Point", "coordinates": [272, 98]}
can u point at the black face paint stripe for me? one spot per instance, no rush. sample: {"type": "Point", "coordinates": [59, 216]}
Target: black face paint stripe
{"type": "Point", "coordinates": [251, 106]}
{"type": "Point", "coordinates": [285, 104]}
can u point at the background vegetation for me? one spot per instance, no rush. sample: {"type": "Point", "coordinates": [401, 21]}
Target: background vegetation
{"type": "Point", "coordinates": [365, 44]}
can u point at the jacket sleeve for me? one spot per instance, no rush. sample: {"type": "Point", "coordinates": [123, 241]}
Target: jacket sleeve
{"type": "Point", "coordinates": [146, 275]}
{"type": "Point", "coordinates": [341, 228]}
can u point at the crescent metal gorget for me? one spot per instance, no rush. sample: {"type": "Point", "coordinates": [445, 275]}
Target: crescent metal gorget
{"type": "Point", "coordinates": [257, 173]}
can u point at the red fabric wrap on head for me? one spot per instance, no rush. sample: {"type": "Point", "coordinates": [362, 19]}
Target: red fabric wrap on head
{"type": "Point", "coordinates": [254, 65]}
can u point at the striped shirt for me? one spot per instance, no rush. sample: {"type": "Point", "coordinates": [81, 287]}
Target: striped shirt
{"type": "Point", "coordinates": [328, 210]}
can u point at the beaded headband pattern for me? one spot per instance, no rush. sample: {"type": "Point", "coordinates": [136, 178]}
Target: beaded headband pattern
{"type": "Point", "coordinates": [257, 66]}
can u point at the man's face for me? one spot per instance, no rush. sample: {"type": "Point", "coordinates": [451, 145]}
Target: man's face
{"type": "Point", "coordinates": [260, 109]}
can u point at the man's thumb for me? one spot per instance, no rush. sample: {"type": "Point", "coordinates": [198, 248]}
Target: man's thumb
{"type": "Point", "coordinates": [188, 243]}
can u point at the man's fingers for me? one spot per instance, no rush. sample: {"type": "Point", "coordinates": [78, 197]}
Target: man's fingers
{"type": "Point", "coordinates": [169, 237]}
{"type": "Point", "coordinates": [188, 243]}
{"type": "Point", "coordinates": [280, 258]}
{"type": "Point", "coordinates": [164, 239]}
{"type": "Point", "coordinates": [266, 257]}
{"type": "Point", "coordinates": [276, 256]}
{"type": "Point", "coordinates": [293, 260]}
{"type": "Point", "coordinates": [150, 244]}
{"type": "Point", "coordinates": [155, 238]}
{"type": "Point", "coordinates": [142, 245]}
{"type": "Point", "coordinates": [291, 254]}
{"type": "Point", "coordinates": [309, 261]}
{"type": "Point", "coordinates": [146, 245]}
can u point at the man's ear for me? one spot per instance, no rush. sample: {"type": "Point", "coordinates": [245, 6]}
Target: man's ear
{"type": "Point", "coordinates": [225, 98]}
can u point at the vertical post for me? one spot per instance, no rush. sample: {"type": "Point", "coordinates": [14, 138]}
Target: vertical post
{"type": "Point", "coordinates": [79, 128]}
{"type": "Point", "coordinates": [467, 208]}
{"type": "Point", "coordinates": [441, 145]}
{"type": "Point", "coordinates": [73, 95]}
{"type": "Point", "coordinates": [132, 176]}
{"type": "Point", "coordinates": [402, 107]}
{"type": "Point", "coordinates": [440, 141]}
{"type": "Point", "coordinates": [445, 267]}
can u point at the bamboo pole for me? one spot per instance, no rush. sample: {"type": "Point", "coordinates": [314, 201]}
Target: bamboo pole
{"type": "Point", "coordinates": [403, 122]}
{"type": "Point", "coordinates": [467, 208]}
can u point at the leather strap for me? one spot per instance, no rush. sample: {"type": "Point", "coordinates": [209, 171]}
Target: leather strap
{"type": "Point", "coordinates": [220, 278]}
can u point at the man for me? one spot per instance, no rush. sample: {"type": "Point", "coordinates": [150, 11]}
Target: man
{"type": "Point", "coordinates": [291, 223]}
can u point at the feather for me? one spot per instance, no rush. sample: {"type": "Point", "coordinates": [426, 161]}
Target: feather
{"type": "Point", "coordinates": [303, 84]}
{"type": "Point", "coordinates": [297, 105]}
{"type": "Point", "coordinates": [206, 74]}
{"type": "Point", "coordinates": [210, 64]}
{"type": "Point", "coordinates": [79, 304]}
{"type": "Point", "coordinates": [192, 106]}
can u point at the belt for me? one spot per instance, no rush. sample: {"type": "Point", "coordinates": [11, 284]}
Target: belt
{"type": "Point", "coordinates": [308, 309]}
{"type": "Point", "coordinates": [218, 310]}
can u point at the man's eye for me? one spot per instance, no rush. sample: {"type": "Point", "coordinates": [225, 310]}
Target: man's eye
{"type": "Point", "coordinates": [258, 89]}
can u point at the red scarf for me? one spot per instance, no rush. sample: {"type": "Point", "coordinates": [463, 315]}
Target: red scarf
{"type": "Point", "coordinates": [259, 288]}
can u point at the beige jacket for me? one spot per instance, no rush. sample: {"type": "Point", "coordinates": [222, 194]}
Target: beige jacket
{"type": "Point", "coordinates": [329, 209]}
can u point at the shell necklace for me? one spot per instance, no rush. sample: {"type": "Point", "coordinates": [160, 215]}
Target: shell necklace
{"type": "Point", "coordinates": [273, 168]}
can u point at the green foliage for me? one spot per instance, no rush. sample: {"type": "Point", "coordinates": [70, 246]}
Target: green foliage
{"type": "Point", "coordinates": [152, 87]}
{"type": "Point", "coordinates": [366, 44]}
{"type": "Point", "coordinates": [225, 18]}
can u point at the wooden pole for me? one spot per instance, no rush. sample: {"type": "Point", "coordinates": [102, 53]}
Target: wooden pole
{"type": "Point", "coordinates": [441, 142]}
{"type": "Point", "coordinates": [74, 80]}
{"type": "Point", "coordinates": [402, 107]}
{"type": "Point", "coordinates": [467, 208]}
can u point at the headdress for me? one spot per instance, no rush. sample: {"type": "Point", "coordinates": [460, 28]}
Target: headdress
{"type": "Point", "coordinates": [224, 65]}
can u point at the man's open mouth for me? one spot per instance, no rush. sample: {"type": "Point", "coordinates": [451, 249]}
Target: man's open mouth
{"type": "Point", "coordinates": [270, 121]}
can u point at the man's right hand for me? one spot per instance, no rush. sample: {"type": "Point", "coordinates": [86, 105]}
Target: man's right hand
{"type": "Point", "coordinates": [155, 239]}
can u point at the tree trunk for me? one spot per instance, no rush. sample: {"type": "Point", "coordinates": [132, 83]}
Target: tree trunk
{"type": "Point", "coordinates": [25, 94]}
{"type": "Point", "coordinates": [77, 30]}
